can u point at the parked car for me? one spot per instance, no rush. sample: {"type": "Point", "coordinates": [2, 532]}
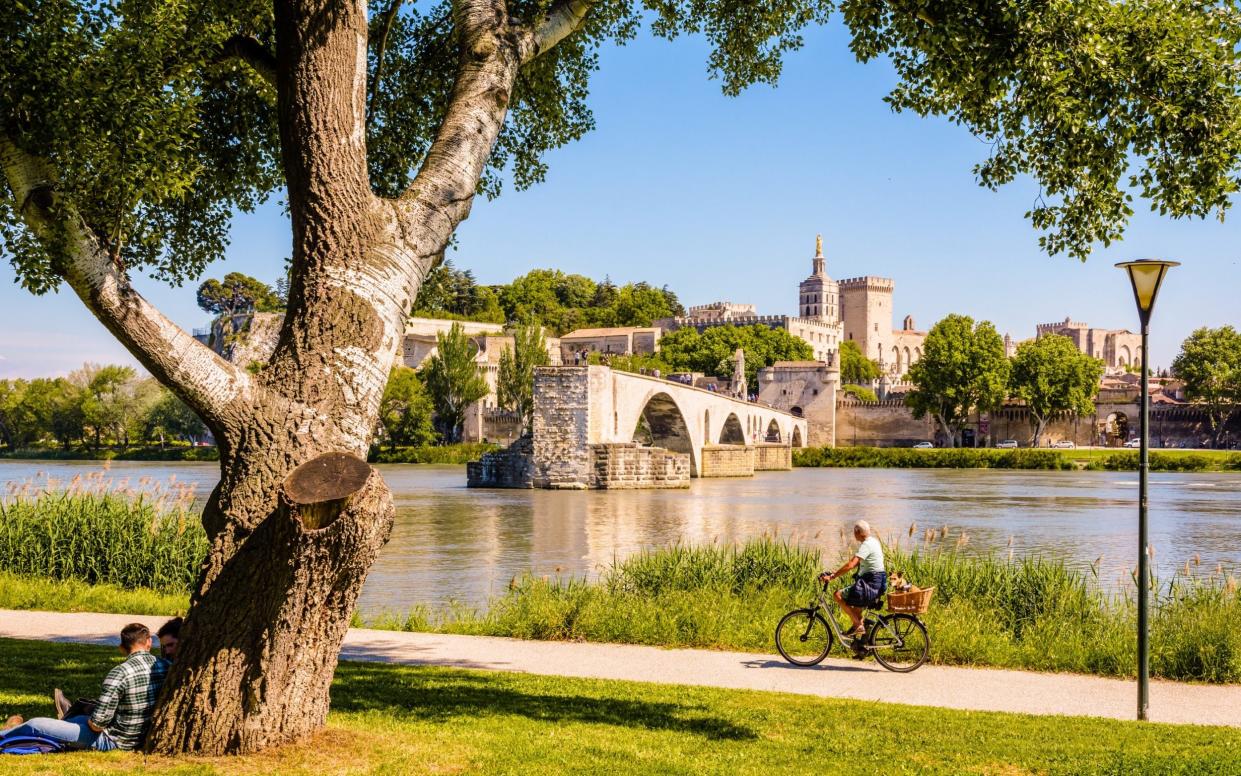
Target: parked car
{"type": "Point", "coordinates": [1065, 444]}
{"type": "Point", "coordinates": [924, 446]}
{"type": "Point", "coordinates": [1135, 442]}
{"type": "Point", "coordinates": [1007, 444]}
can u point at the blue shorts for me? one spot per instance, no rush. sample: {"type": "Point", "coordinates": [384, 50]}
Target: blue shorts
{"type": "Point", "coordinates": [867, 588]}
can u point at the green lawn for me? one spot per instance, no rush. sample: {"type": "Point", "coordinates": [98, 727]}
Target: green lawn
{"type": "Point", "coordinates": [398, 720]}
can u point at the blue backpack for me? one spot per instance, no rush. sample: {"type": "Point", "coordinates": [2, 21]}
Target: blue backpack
{"type": "Point", "coordinates": [30, 744]}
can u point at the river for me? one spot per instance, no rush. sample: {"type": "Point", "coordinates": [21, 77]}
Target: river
{"type": "Point", "coordinates": [455, 544]}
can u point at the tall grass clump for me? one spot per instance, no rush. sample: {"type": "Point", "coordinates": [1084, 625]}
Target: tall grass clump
{"type": "Point", "coordinates": [96, 530]}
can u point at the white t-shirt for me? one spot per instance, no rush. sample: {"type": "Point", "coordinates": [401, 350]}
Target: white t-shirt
{"type": "Point", "coordinates": [871, 554]}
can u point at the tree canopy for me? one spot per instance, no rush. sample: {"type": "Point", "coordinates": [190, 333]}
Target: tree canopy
{"type": "Point", "coordinates": [1210, 366]}
{"type": "Point", "coordinates": [712, 351]}
{"type": "Point", "coordinates": [855, 367]}
{"type": "Point", "coordinates": [1051, 375]}
{"type": "Point", "coordinates": [453, 381]}
{"type": "Point", "coordinates": [238, 293]}
{"type": "Point", "coordinates": [448, 292]}
{"type": "Point", "coordinates": [406, 412]}
{"type": "Point", "coordinates": [515, 378]}
{"type": "Point", "coordinates": [963, 369]}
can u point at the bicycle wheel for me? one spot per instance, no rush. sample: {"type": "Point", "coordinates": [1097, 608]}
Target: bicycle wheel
{"type": "Point", "coordinates": [803, 637]}
{"type": "Point", "coordinates": [900, 642]}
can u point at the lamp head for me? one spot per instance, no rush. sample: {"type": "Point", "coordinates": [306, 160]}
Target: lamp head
{"type": "Point", "coordinates": [1146, 275]}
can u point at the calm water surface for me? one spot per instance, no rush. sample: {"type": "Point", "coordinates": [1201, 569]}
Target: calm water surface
{"type": "Point", "coordinates": [455, 544]}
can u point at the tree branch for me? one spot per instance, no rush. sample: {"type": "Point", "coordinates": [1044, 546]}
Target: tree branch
{"type": "Point", "coordinates": [563, 20]}
{"type": "Point", "coordinates": [389, 19]}
{"type": "Point", "coordinates": [253, 53]}
{"type": "Point", "coordinates": [489, 63]}
{"type": "Point", "coordinates": [209, 384]}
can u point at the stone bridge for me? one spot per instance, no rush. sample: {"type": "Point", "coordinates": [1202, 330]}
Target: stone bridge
{"type": "Point", "coordinates": [595, 427]}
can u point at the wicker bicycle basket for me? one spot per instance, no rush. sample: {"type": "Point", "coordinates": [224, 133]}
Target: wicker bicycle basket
{"type": "Point", "coordinates": [911, 603]}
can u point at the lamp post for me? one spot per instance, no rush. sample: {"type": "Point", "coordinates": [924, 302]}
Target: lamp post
{"type": "Point", "coordinates": [1146, 276]}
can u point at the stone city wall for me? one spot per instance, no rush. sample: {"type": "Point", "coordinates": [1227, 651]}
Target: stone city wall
{"type": "Point", "coordinates": [891, 424]}
{"type": "Point", "coordinates": [773, 458]}
{"type": "Point", "coordinates": [886, 423]}
{"type": "Point", "coordinates": [727, 461]}
{"type": "Point", "coordinates": [630, 466]}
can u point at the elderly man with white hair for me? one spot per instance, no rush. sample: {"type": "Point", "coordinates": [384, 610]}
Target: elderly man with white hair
{"type": "Point", "coordinates": [870, 582]}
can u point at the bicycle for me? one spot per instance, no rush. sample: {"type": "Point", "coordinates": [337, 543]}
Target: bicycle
{"type": "Point", "coordinates": [899, 641]}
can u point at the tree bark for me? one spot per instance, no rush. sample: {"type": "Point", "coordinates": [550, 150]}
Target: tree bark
{"type": "Point", "coordinates": [257, 660]}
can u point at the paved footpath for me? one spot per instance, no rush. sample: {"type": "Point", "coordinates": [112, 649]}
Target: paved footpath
{"type": "Point", "coordinates": [979, 689]}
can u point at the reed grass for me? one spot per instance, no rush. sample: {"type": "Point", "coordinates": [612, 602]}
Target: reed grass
{"type": "Point", "coordinates": [97, 530]}
{"type": "Point", "coordinates": [1029, 613]}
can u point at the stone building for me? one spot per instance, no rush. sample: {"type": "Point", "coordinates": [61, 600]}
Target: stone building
{"type": "Point", "coordinates": [805, 389]}
{"type": "Point", "coordinates": [866, 312]}
{"type": "Point", "coordinates": [722, 311]}
{"type": "Point", "coordinates": [1116, 348]}
{"type": "Point", "coordinates": [620, 340]}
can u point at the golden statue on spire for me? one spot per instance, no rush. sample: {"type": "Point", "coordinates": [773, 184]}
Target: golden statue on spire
{"type": "Point", "coordinates": [818, 246]}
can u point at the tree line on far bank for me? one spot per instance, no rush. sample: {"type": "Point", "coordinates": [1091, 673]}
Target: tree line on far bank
{"type": "Point", "coordinates": [558, 301]}
{"type": "Point", "coordinates": [964, 370]}
{"type": "Point", "coordinates": [94, 406]}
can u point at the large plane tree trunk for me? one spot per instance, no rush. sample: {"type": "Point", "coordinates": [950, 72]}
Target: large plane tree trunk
{"type": "Point", "coordinates": [260, 647]}
{"type": "Point", "coordinates": [298, 516]}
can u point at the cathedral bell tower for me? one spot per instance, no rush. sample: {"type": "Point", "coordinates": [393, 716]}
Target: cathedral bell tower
{"type": "Point", "coordinates": [819, 295]}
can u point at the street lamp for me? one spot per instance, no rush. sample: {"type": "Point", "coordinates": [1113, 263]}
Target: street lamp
{"type": "Point", "coordinates": [1146, 276]}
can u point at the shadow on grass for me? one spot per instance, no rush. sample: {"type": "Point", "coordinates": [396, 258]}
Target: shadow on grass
{"type": "Point", "coordinates": [33, 668]}
{"type": "Point", "coordinates": [30, 670]}
{"type": "Point", "coordinates": [436, 695]}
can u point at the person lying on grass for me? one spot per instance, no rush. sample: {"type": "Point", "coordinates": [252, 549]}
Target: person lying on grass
{"type": "Point", "coordinates": [169, 635]}
{"type": "Point", "coordinates": [870, 582]}
{"type": "Point", "coordinates": [123, 711]}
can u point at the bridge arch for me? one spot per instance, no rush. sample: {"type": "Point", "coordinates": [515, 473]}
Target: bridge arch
{"type": "Point", "coordinates": [667, 426]}
{"type": "Point", "coordinates": [773, 432]}
{"type": "Point", "coordinates": [797, 440]}
{"type": "Point", "coordinates": [732, 433]}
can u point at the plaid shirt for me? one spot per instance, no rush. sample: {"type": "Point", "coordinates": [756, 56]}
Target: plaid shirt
{"type": "Point", "coordinates": [129, 692]}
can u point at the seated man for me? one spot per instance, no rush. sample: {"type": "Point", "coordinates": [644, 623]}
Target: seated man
{"type": "Point", "coordinates": [123, 711]}
{"type": "Point", "coordinates": [169, 635]}
{"type": "Point", "coordinates": [869, 584]}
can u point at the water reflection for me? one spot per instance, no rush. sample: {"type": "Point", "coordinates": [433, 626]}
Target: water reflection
{"type": "Point", "coordinates": [455, 544]}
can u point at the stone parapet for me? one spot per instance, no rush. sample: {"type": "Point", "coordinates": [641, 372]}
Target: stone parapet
{"type": "Point", "coordinates": [728, 461]}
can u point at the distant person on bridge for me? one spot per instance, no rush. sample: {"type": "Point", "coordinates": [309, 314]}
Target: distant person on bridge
{"type": "Point", "coordinates": [870, 582]}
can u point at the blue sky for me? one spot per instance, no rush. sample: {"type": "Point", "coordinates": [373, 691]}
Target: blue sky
{"type": "Point", "coordinates": [720, 198]}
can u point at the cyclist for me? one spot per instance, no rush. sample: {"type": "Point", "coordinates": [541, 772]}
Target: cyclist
{"type": "Point", "coordinates": [869, 583]}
